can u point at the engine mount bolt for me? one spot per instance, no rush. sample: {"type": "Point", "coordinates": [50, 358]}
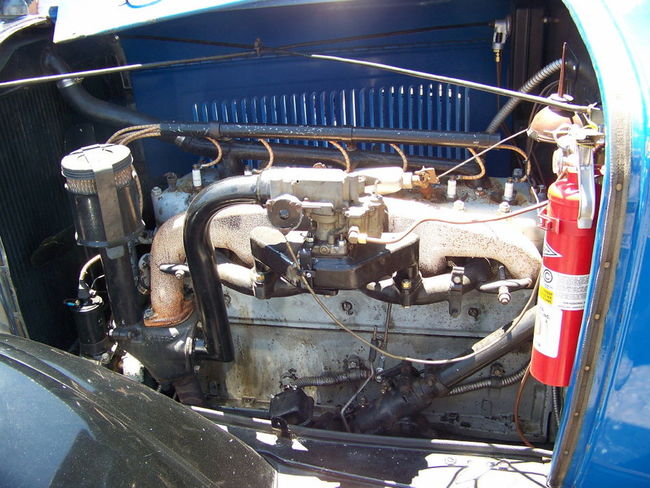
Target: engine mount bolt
{"type": "Point", "coordinates": [156, 191]}
{"type": "Point", "coordinates": [504, 207]}
{"type": "Point", "coordinates": [260, 277]}
{"type": "Point", "coordinates": [459, 205]}
{"type": "Point", "coordinates": [324, 250]}
{"type": "Point", "coordinates": [283, 214]}
{"type": "Point", "coordinates": [179, 275]}
{"type": "Point", "coordinates": [148, 313]}
{"type": "Point", "coordinates": [407, 284]}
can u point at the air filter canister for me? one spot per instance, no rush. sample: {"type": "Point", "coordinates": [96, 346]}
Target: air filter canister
{"type": "Point", "coordinates": [105, 194]}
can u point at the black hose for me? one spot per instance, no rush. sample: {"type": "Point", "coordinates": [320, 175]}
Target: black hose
{"type": "Point", "coordinates": [202, 261]}
{"type": "Point", "coordinates": [556, 396]}
{"type": "Point", "coordinates": [385, 411]}
{"type": "Point", "coordinates": [86, 104]}
{"type": "Point", "coordinates": [535, 80]}
{"type": "Point", "coordinates": [492, 382]}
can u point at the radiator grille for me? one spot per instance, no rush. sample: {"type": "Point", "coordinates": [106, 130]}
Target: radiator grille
{"type": "Point", "coordinates": [34, 206]}
{"type": "Point", "coordinates": [426, 107]}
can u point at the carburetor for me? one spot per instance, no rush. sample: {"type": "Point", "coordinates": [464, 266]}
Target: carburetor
{"type": "Point", "coordinates": [323, 233]}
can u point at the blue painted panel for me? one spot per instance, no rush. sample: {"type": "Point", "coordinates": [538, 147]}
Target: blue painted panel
{"type": "Point", "coordinates": [402, 107]}
{"type": "Point", "coordinates": [614, 447]}
{"type": "Point", "coordinates": [174, 93]}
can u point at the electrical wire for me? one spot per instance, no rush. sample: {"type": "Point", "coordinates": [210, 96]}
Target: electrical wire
{"type": "Point", "coordinates": [480, 163]}
{"type": "Point", "coordinates": [444, 79]}
{"type": "Point", "coordinates": [271, 155]}
{"type": "Point", "coordinates": [530, 143]}
{"type": "Point", "coordinates": [520, 392]}
{"type": "Point", "coordinates": [216, 160]}
{"type": "Point", "coordinates": [85, 269]}
{"type": "Point", "coordinates": [319, 42]}
{"type": "Point", "coordinates": [380, 350]}
{"type": "Point", "coordinates": [143, 134]}
{"type": "Point", "coordinates": [398, 150]}
{"type": "Point", "coordinates": [265, 50]}
{"type": "Point", "coordinates": [92, 286]}
{"type": "Point", "coordinates": [379, 240]}
{"type": "Point", "coordinates": [122, 132]}
{"type": "Point", "coordinates": [344, 153]}
{"type": "Point", "coordinates": [493, 146]}
{"type": "Point", "coordinates": [520, 152]}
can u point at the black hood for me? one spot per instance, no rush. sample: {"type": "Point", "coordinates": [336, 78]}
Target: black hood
{"type": "Point", "coordinates": [67, 422]}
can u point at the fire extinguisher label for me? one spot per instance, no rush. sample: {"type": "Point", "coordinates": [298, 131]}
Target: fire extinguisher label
{"type": "Point", "coordinates": [548, 327]}
{"type": "Point", "coordinates": [549, 252]}
{"type": "Point", "coordinates": [564, 291]}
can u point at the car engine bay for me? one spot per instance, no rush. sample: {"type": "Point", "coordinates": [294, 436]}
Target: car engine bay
{"type": "Point", "coordinates": [365, 273]}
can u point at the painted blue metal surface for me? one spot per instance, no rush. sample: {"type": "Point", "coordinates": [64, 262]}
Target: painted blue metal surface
{"type": "Point", "coordinates": [425, 107]}
{"type": "Point", "coordinates": [465, 52]}
{"type": "Point", "coordinates": [613, 447]}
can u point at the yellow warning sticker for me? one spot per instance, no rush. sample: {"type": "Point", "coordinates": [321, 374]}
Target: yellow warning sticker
{"type": "Point", "coordinates": [546, 295]}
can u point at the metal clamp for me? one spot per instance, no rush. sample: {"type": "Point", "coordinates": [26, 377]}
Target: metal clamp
{"type": "Point", "coordinates": [456, 290]}
{"type": "Point", "coordinates": [587, 185]}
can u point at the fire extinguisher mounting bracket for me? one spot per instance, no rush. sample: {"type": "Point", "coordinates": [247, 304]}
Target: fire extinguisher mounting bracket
{"type": "Point", "coordinates": [587, 185]}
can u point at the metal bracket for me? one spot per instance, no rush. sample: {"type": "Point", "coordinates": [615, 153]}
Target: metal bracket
{"type": "Point", "coordinates": [456, 290]}
{"type": "Point", "coordinates": [587, 185]}
{"type": "Point", "coordinates": [108, 203]}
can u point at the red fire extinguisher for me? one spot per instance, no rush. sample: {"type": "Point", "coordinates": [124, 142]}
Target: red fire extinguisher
{"type": "Point", "coordinates": [566, 264]}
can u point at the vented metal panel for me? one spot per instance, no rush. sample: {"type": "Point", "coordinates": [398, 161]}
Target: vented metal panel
{"type": "Point", "coordinates": [427, 107]}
